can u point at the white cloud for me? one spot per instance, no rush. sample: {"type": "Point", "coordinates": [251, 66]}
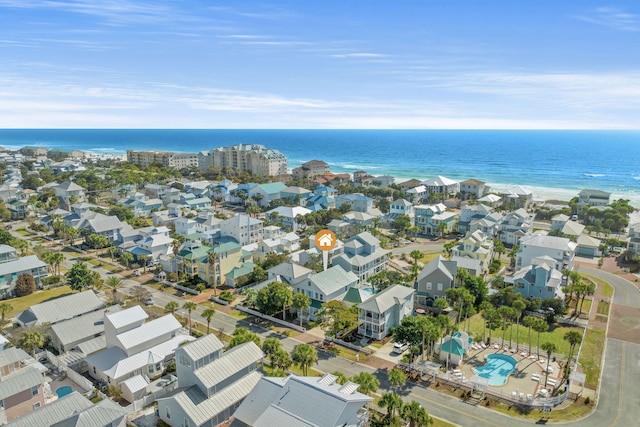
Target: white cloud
{"type": "Point", "coordinates": [359, 55]}
{"type": "Point", "coordinates": [612, 18]}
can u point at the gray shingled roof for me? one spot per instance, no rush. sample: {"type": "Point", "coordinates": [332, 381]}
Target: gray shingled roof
{"type": "Point", "coordinates": [382, 301]}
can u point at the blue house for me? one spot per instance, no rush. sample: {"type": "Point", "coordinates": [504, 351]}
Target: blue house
{"type": "Point", "coordinates": [538, 279]}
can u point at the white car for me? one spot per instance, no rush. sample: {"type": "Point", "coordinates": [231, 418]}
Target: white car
{"type": "Point", "coordinates": [400, 348]}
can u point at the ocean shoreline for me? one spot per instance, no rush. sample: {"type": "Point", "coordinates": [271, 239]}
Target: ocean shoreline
{"type": "Point", "coordinates": [553, 165]}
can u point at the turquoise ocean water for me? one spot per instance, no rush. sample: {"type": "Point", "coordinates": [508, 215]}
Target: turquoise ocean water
{"type": "Point", "coordinates": [550, 163]}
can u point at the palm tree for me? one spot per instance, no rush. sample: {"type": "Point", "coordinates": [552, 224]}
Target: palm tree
{"type": "Point", "coordinates": [540, 325]}
{"type": "Point", "coordinates": [208, 313]}
{"type": "Point", "coordinates": [190, 306]}
{"type": "Point", "coordinates": [250, 297]}
{"type": "Point", "coordinates": [114, 283]}
{"type": "Point", "coordinates": [528, 322]}
{"type": "Point", "coordinates": [505, 313]}
{"type": "Point", "coordinates": [485, 307]}
{"type": "Point", "coordinates": [142, 258]}
{"type": "Point", "coordinates": [518, 307]}
{"type": "Point", "coordinates": [126, 257]}
{"type": "Point", "coordinates": [304, 355]}
{"type": "Point", "coordinates": [57, 258]}
{"type": "Point", "coordinates": [171, 307]}
{"type": "Point", "coordinates": [549, 347]}
{"type": "Point", "coordinates": [300, 302]}
{"type": "Point", "coordinates": [341, 377]}
{"type": "Point", "coordinates": [574, 338]}
{"type": "Point", "coordinates": [4, 307]}
{"type": "Point", "coordinates": [30, 341]}
{"type": "Point", "coordinates": [368, 382]}
{"type": "Point", "coordinates": [270, 346]}
{"type": "Point", "coordinates": [396, 378]}
{"type": "Point", "coordinates": [393, 403]}
{"type": "Point", "coordinates": [416, 415]}
{"type": "Point", "coordinates": [175, 247]}
{"type": "Point", "coordinates": [416, 255]}
{"type": "Point", "coordinates": [112, 251]}
{"type": "Point", "coordinates": [589, 289]}
{"type": "Point", "coordinates": [280, 359]}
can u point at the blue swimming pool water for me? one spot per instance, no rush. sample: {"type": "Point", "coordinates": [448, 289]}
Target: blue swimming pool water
{"type": "Point", "coordinates": [63, 391]}
{"type": "Point", "coordinates": [497, 369]}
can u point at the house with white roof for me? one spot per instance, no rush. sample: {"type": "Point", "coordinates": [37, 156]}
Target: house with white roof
{"type": "Point", "coordinates": [492, 200]}
{"type": "Point", "coordinates": [59, 309]}
{"type": "Point", "coordinates": [263, 194]}
{"type": "Point", "coordinates": [384, 311]}
{"type": "Point", "coordinates": [211, 383]}
{"type": "Point", "coordinates": [430, 217]}
{"type": "Point", "coordinates": [363, 256]}
{"type": "Point", "coordinates": [331, 284]}
{"type": "Point", "coordinates": [303, 401]}
{"type": "Point", "coordinates": [296, 195]}
{"type": "Point", "coordinates": [590, 197]}
{"type": "Point", "coordinates": [471, 215]}
{"type": "Point", "coordinates": [243, 228]}
{"type": "Point", "coordinates": [108, 226]}
{"type": "Point", "coordinates": [560, 249]}
{"type": "Point", "coordinates": [136, 347]}
{"type": "Point", "coordinates": [441, 185]}
{"type": "Point", "coordinates": [520, 197]}
{"type": "Point", "coordinates": [588, 246]}
{"type": "Point", "coordinates": [514, 226]}
{"type": "Point", "coordinates": [288, 215]}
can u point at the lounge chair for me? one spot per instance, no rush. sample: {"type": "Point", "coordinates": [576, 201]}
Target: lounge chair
{"type": "Point", "coordinates": [533, 357]}
{"type": "Point", "coordinates": [524, 354]}
{"type": "Point", "coordinates": [535, 377]}
{"type": "Point", "coordinates": [529, 397]}
{"type": "Point", "coordinates": [483, 345]}
{"type": "Point", "coordinates": [521, 396]}
{"type": "Point", "coordinates": [513, 350]}
{"type": "Point", "coordinates": [514, 394]}
{"type": "Point", "coordinates": [506, 348]}
{"type": "Point", "coordinates": [551, 382]}
{"type": "Point", "coordinates": [496, 346]}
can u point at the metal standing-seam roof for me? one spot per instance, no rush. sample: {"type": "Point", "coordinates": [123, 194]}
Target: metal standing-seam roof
{"type": "Point", "coordinates": [87, 325]}
{"type": "Point", "coordinates": [201, 409]}
{"type": "Point", "coordinates": [20, 381]}
{"type": "Point", "coordinates": [104, 413]}
{"type": "Point", "coordinates": [126, 317]}
{"type": "Point", "coordinates": [333, 279]}
{"type": "Point", "coordinates": [12, 355]}
{"type": "Point", "coordinates": [26, 263]}
{"type": "Point", "coordinates": [202, 347]}
{"type": "Point", "coordinates": [231, 362]}
{"type": "Point", "coordinates": [51, 413]}
{"type": "Point", "coordinates": [148, 331]}
{"type": "Point", "coordinates": [62, 308]}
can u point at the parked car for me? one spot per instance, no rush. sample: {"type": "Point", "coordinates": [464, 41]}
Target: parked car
{"type": "Point", "coordinates": [149, 301]}
{"type": "Point", "coordinates": [399, 348]}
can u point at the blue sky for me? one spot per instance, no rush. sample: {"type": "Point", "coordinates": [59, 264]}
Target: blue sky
{"type": "Point", "coordinates": [542, 64]}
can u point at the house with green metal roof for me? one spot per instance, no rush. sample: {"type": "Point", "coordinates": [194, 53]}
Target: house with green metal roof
{"type": "Point", "coordinates": [331, 284]}
{"type": "Point", "coordinates": [265, 193]}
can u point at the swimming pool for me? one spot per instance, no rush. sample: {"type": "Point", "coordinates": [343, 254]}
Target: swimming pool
{"type": "Point", "coordinates": [63, 391]}
{"type": "Point", "coordinates": [497, 369]}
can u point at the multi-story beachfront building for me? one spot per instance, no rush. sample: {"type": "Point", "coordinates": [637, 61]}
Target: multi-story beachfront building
{"type": "Point", "coordinates": [164, 158]}
{"type": "Point", "coordinates": [251, 158]}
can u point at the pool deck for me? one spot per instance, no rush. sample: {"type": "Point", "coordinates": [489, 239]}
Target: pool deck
{"type": "Point", "coordinates": [521, 379]}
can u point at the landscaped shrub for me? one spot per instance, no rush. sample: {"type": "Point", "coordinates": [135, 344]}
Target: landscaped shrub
{"type": "Point", "coordinates": [51, 280]}
{"type": "Point", "coordinates": [226, 296]}
{"type": "Point", "coordinates": [25, 285]}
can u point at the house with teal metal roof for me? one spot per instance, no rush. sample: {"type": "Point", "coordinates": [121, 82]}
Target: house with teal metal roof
{"type": "Point", "coordinates": [331, 284]}
{"type": "Point", "coordinates": [265, 193]}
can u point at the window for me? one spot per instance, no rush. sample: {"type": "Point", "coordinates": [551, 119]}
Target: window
{"type": "Point", "coordinates": [34, 390]}
{"type": "Point", "coordinates": [36, 405]}
{"type": "Point", "coordinates": [2, 403]}
{"type": "Point", "coordinates": [150, 369]}
{"type": "Point", "coordinates": [186, 422]}
{"type": "Point", "coordinates": [440, 286]}
{"type": "Point", "coordinates": [167, 413]}
{"type": "Point", "coordinates": [429, 286]}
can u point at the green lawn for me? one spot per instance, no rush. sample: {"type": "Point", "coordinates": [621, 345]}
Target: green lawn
{"type": "Point", "coordinates": [603, 308]}
{"type": "Point", "coordinates": [23, 232]}
{"type": "Point", "coordinates": [22, 303]}
{"type": "Point", "coordinates": [605, 288]}
{"type": "Point", "coordinates": [591, 356]}
{"type": "Point", "coordinates": [554, 335]}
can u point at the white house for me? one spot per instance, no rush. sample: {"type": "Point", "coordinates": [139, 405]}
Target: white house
{"type": "Point", "coordinates": [560, 249]}
{"type": "Point", "coordinates": [363, 256]}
